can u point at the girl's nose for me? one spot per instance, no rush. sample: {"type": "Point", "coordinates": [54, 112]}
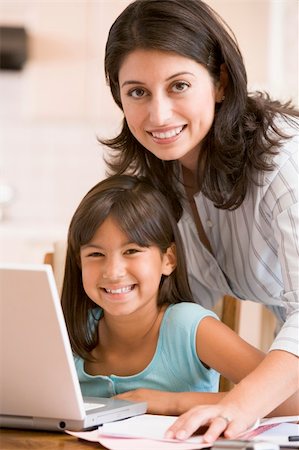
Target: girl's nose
{"type": "Point", "coordinates": [160, 110]}
{"type": "Point", "coordinates": [114, 268]}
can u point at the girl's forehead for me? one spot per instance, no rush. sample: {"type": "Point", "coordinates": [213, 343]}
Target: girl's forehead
{"type": "Point", "coordinates": [121, 226]}
{"type": "Point", "coordinates": [111, 223]}
{"type": "Point", "coordinates": [108, 230]}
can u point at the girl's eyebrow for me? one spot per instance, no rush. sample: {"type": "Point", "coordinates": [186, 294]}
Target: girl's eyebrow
{"type": "Point", "coordinates": [90, 245]}
{"type": "Point", "coordinates": [128, 82]}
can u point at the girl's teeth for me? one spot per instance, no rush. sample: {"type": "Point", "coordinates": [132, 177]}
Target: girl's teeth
{"type": "Point", "coordinates": [167, 134]}
{"type": "Point", "coordinates": [122, 290]}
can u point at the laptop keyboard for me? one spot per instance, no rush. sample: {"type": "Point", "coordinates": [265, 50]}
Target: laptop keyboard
{"type": "Point", "coordinates": [89, 406]}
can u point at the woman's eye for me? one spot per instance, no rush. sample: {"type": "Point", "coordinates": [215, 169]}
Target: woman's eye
{"type": "Point", "coordinates": [180, 86]}
{"type": "Point", "coordinates": [137, 93]}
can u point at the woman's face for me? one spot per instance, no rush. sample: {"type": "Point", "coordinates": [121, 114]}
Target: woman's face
{"type": "Point", "coordinates": [169, 103]}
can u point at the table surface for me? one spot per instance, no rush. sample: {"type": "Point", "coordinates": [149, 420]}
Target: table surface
{"type": "Point", "coordinates": [11, 439]}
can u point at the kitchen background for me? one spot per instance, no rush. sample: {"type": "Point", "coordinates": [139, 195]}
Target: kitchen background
{"type": "Point", "coordinates": [52, 110]}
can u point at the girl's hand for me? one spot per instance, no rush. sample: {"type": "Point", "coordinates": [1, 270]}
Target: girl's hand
{"type": "Point", "coordinates": [219, 419]}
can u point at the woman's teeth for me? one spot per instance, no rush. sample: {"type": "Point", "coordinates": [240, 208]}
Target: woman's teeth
{"type": "Point", "coordinates": [167, 134]}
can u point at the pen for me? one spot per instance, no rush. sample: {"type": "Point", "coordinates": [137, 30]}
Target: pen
{"type": "Point", "coordinates": [293, 438]}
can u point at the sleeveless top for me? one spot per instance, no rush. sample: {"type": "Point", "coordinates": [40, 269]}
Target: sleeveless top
{"type": "Point", "coordinates": [175, 365]}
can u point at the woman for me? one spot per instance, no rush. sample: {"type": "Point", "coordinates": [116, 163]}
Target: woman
{"type": "Point", "coordinates": [226, 160]}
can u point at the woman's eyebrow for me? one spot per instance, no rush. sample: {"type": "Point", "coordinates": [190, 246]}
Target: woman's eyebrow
{"type": "Point", "coordinates": [128, 82]}
{"type": "Point", "coordinates": [178, 74]}
{"type": "Point", "coordinates": [131, 82]}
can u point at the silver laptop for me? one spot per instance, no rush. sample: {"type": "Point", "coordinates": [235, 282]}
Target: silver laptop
{"type": "Point", "coordinates": [38, 380]}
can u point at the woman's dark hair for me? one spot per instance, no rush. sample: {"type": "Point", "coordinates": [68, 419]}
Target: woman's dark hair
{"type": "Point", "coordinates": [245, 134]}
{"type": "Point", "coordinates": [146, 218]}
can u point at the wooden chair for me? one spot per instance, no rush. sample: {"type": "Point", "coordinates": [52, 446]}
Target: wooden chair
{"type": "Point", "coordinates": [228, 309]}
{"type": "Point", "coordinates": [48, 259]}
{"type": "Point", "coordinates": [230, 316]}
{"type": "Point", "coordinates": [56, 259]}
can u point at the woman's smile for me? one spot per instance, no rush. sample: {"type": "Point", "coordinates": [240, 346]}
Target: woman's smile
{"type": "Point", "coordinates": [167, 136]}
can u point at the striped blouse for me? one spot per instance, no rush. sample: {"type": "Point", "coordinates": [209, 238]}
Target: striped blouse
{"type": "Point", "coordinates": [255, 247]}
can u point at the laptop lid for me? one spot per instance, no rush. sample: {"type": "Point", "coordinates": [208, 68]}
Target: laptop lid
{"type": "Point", "coordinates": [38, 379]}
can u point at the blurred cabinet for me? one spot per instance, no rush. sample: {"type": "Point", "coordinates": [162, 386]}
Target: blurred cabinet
{"type": "Point", "coordinates": [25, 242]}
{"type": "Point", "coordinates": [64, 75]}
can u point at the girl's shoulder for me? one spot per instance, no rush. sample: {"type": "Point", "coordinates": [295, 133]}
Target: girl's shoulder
{"type": "Point", "coordinates": [187, 312]}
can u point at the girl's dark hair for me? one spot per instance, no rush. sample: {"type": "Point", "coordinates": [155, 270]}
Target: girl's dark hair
{"type": "Point", "coordinates": [245, 134]}
{"type": "Point", "coordinates": [146, 218]}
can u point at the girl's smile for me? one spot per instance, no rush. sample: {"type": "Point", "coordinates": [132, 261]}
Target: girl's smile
{"type": "Point", "coordinates": [117, 294]}
{"type": "Point", "coordinates": [120, 290]}
{"type": "Point", "coordinates": [169, 103]}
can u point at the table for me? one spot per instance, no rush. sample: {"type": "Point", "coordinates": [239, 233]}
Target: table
{"type": "Point", "coordinates": [11, 439]}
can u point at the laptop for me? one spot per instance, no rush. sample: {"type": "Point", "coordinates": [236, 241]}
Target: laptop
{"type": "Point", "coordinates": [38, 379]}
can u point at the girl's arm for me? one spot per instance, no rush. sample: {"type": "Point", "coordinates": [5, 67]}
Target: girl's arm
{"type": "Point", "coordinates": [217, 347]}
{"type": "Point", "coordinates": [171, 403]}
{"type": "Point", "coordinates": [224, 350]}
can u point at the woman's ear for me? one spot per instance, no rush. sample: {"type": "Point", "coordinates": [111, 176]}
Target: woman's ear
{"type": "Point", "coordinates": [221, 84]}
{"type": "Point", "coordinates": [169, 260]}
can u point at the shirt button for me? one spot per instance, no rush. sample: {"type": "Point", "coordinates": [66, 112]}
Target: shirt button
{"type": "Point", "coordinates": [209, 223]}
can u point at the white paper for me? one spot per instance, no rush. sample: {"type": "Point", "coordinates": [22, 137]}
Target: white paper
{"type": "Point", "coordinates": [146, 426]}
{"type": "Point", "coordinates": [147, 430]}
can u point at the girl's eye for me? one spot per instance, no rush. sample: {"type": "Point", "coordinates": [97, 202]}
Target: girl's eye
{"type": "Point", "coordinates": [95, 255]}
{"type": "Point", "coordinates": [180, 86]}
{"type": "Point", "coordinates": [132, 251]}
{"type": "Point", "coordinates": [137, 93]}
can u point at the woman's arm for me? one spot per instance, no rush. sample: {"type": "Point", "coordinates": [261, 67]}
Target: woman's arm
{"type": "Point", "coordinates": [272, 387]}
{"type": "Point", "coordinates": [262, 391]}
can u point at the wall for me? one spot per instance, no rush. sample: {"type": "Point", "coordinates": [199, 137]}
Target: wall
{"type": "Point", "coordinates": [52, 111]}
{"type": "Point", "coordinates": [50, 116]}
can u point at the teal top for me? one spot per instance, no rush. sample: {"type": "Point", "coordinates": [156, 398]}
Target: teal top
{"type": "Point", "coordinates": [175, 366]}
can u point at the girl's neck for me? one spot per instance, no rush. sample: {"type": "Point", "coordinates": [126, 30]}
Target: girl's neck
{"type": "Point", "coordinates": [130, 330]}
{"type": "Point", "coordinates": [126, 344]}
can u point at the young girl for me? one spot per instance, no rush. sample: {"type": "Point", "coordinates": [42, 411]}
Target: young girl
{"type": "Point", "coordinates": [227, 160]}
{"type": "Point", "coordinates": [128, 306]}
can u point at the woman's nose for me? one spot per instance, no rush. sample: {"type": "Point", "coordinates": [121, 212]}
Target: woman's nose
{"type": "Point", "coordinates": [114, 268]}
{"type": "Point", "coordinates": [160, 110]}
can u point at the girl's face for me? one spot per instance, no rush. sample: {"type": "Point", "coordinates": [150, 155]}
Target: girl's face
{"type": "Point", "coordinates": [119, 275]}
{"type": "Point", "coordinates": [169, 103]}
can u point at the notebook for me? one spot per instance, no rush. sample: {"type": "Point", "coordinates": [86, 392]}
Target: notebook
{"type": "Point", "coordinates": [38, 380]}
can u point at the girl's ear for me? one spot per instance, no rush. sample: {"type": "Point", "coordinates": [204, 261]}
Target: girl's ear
{"type": "Point", "coordinates": [169, 260]}
{"type": "Point", "coordinates": [221, 84]}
